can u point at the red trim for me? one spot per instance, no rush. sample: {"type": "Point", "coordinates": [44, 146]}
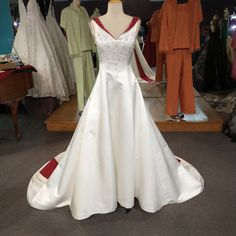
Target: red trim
{"type": "Point", "coordinates": [49, 168]}
{"type": "Point", "coordinates": [131, 25]}
{"type": "Point", "coordinates": [140, 69]}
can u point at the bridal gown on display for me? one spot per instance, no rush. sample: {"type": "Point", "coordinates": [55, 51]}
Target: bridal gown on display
{"type": "Point", "coordinates": [61, 46]}
{"type": "Point", "coordinates": [35, 47]}
{"type": "Point", "coordinates": [21, 46]}
{"type": "Point", "coordinates": [116, 153]}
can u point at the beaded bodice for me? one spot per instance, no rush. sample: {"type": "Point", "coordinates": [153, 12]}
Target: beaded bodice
{"type": "Point", "coordinates": [115, 53]}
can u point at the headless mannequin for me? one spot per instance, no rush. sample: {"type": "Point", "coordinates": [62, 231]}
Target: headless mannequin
{"type": "Point", "coordinates": [75, 22]}
{"type": "Point", "coordinates": [96, 13]}
{"type": "Point", "coordinates": [115, 20]}
{"type": "Point", "coordinates": [76, 3]}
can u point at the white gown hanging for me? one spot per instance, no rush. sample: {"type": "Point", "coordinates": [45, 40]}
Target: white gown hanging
{"type": "Point", "coordinates": [35, 47]}
{"type": "Point", "coordinates": [117, 153]}
{"type": "Point", "coordinates": [62, 51]}
{"type": "Point", "coordinates": [21, 45]}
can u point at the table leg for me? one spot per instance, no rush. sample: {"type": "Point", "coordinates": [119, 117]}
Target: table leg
{"type": "Point", "coordinates": [14, 107]}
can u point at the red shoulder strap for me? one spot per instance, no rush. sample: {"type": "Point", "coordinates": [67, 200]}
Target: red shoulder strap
{"type": "Point", "coordinates": [133, 22]}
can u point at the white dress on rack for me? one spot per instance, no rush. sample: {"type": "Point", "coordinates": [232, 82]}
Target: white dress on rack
{"type": "Point", "coordinates": [117, 153]}
{"type": "Point", "coordinates": [21, 45]}
{"type": "Point", "coordinates": [35, 47]}
{"type": "Point", "coordinates": [61, 46]}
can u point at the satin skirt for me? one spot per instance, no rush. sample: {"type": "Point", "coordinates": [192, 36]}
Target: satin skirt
{"type": "Point", "coordinates": [116, 154]}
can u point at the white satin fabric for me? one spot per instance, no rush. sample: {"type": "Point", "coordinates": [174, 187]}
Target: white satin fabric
{"type": "Point", "coordinates": [116, 153]}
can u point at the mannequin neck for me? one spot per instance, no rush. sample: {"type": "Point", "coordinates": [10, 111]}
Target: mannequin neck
{"type": "Point", "coordinates": [115, 9]}
{"type": "Point", "coordinates": [76, 3]}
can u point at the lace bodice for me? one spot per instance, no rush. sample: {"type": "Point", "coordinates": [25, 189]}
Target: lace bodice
{"type": "Point", "coordinates": [115, 53]}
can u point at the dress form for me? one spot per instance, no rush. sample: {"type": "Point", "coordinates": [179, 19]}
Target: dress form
{"type": "Point", "coordinates": [115, 20]}
{"type": "Point", "coordinates": [96, 13]}
{"type": "Point", "coordinates": [75, 22]}
{"type": "Point", "coordinates": [76, 3]}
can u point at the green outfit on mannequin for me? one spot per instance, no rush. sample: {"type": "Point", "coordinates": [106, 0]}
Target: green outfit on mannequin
{"type": "Point", "coordinates": [75, 21]}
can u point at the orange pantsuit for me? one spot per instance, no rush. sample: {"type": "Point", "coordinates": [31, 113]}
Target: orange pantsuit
{"type": "Point", "coordinates": [179, 37]}
{"type": "Point", "coordinates": [180, 86]}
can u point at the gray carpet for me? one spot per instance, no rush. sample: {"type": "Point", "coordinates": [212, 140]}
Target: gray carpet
{"type": "Point", "coordinates": [213, 213]}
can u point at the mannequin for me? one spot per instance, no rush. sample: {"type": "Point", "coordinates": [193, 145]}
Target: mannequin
{"type": "Point", "coordinates": [115, 28]}
{"type": "Point", "coordinates": [75, 22]}
{"type": "Point", "coordinates": [117, 153]}
{"type": "Point", "coordinates": [76, 3]}
{"type": "Point", "coordinates": [179, 37]}
{"type": "Point", "coordinates": [96, 13]}
{"type": "Point", "coordinates": [115, 10]}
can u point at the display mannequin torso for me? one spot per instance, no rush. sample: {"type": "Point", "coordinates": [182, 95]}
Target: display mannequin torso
{"type": "Point", "coordinates": [75, 22]}
{"type": "Point", "coordinates": [115, 20]}
{"type": "Point", "coordinates": [76, 3]}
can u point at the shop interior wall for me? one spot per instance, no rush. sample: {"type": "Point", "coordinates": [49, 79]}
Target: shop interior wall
{"type": "Point", "coordinates": [144, 8]}
{"type": "Point", "coordinates": [141, 8]}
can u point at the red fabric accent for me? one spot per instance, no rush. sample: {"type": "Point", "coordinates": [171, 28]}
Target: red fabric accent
{"type": "Point", "coordinates": [131, 25]}
{"type": "Point", "coordinates": [7, 73]}
{"type": "Point", "coordinates": [49, 168]}
{"type": "Point", "coordinates": [140, 69]}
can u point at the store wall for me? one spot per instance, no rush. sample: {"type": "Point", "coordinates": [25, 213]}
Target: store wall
{"type": "Point", "coordinates": [145, 8]}
{"type": "Point", "coordinates": [142, 8]}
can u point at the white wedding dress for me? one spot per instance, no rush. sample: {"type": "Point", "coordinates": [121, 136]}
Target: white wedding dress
{"type": "Point", "coordinates": [35, 47]}
{"type": "Point", "coordinates": [61, 46]}
{"type": "Point", "coordinates": [21, 46]}
{"type": "Point", "coordinates": [116, 153]}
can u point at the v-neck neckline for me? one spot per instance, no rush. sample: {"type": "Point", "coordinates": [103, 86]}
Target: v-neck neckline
{"type": "Point", "coordinates": [130, 26]}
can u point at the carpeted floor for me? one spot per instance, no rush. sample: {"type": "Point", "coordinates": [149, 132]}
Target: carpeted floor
{"type": "Point", "coordinates": [213, 213]}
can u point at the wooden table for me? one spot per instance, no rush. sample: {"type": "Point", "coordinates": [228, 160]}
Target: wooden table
{"type": "Point", "coordinates": [14, 85]}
